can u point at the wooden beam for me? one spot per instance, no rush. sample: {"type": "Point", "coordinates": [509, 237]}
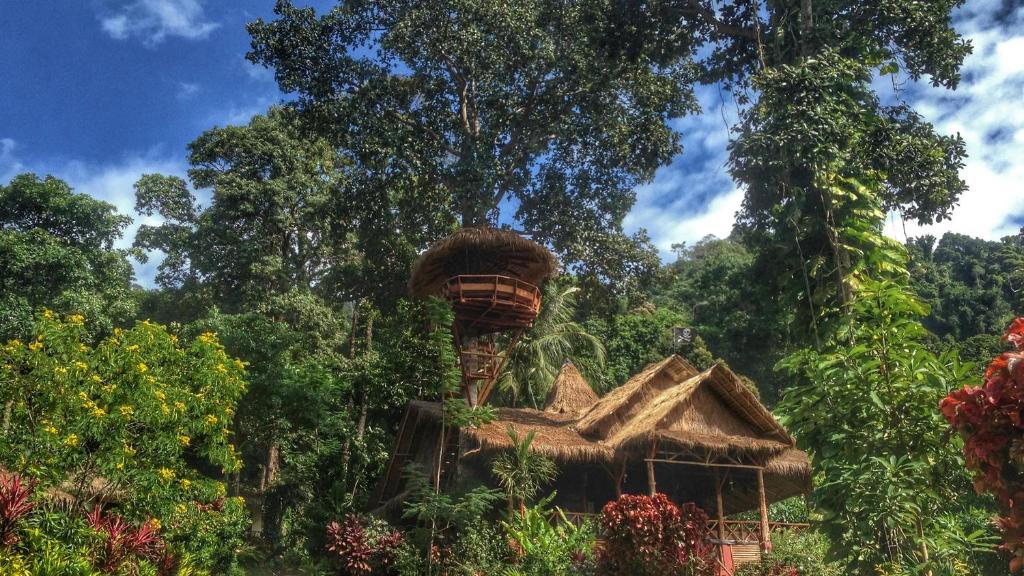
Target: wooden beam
{"type": "Point", "coordinates": [652, 486]}
{"type": "Point", "coordinates": [766, 536]}
{"type": "Point", "coordinates": [706, 464]}
{"type": "Point", "coordinates": [719, 505]}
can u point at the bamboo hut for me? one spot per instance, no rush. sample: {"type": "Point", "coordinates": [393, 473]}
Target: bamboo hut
{"type": "Point", "coordinates": [698, 437]}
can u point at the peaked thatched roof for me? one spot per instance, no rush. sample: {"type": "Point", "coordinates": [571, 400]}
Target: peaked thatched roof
{"type": "Point", "coordinates": [619, 406]}
{"type": "Point", "coordinates": [481, 250]}
{"type": "Point", "coordinates": [712, 411]}
{"type": "Point", "coordinates": [570, 393]}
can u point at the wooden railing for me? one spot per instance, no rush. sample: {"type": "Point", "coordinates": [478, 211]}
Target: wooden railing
{"type": "Point", "coordinates": [736, 531]}
{"type": "Point", "coordinates": [493, 290]}
{"type": "Point", "coordinates": [748, 531]}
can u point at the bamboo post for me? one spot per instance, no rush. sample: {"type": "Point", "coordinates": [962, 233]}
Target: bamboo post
{"type": "Point", "coordinates": [719, 506]}
{"type": "Point", "coordinates": [618, 478]}
{"type": "Point", "coordinates": [766, 539]}
{"type": "Point", "coordinates": [652, 486]}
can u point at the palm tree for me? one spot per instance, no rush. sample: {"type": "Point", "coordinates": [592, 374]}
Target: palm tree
{"type": "Point", "coordinates": [534, 361]}
{"type": "Point", "coordinates": [520, 472]}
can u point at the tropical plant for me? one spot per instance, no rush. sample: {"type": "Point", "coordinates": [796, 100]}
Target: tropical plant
{"type": "Point", "coordinates": [362, 551]}
{"type": "Point", "coordinates": [989, 419]}
{"type": "Point", "coordinates": [650, 536]}
{"type": "Point", "coordinates": [795, 553]}
{"type": "Point", "coordinates": [521, 472]}
{"type": "Point", "coordinates": [545, 543]}
{"type": "Point", "coordinates": [887, 475]}
{"type": "Point", "coordinates": [15, 503]}
{"type": "Point", "coordinates": [534, 361]}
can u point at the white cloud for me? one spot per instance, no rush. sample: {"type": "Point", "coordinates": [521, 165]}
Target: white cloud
{"type": "Point", "coordinates": [186, 90]}
{"type": "Point", "coordinates": [9, 163]}
{"type": "Point", "coordinates": [152, 21]}
{"type": "Point", "coordinates": [694, 196]}
{"type": "Point", "coordinates": [986, 110]}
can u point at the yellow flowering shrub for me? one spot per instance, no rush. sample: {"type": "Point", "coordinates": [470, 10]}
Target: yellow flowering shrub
{"type": "Point", "coordinates": [139, 416]}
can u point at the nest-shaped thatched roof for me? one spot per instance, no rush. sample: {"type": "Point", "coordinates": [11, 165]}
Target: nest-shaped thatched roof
{"type": "Point", "coordinates": [622, 404]}
{"type": "Point", "coordinates": [570, 393]}
{"type": "Point", "coordinates": [713, 412]}
{"type": "Point", "coordinates": [482, 250]}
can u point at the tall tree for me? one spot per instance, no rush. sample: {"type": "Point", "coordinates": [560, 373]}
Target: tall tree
{"type": "Point", "coordinates": [535, 112]}
{"type": "Point", "coordinates": [57, 251]}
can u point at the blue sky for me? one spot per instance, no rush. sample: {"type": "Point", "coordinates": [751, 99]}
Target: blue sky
{"type": "Point", "coordinates": [99, 92]}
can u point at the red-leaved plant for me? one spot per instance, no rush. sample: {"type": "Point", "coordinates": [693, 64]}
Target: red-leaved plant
{"type": "Point", "coordinates": [359, 552]}
{"type": "Point", "coordinates": [650, 535]}
{"type": "Point", "coordinates": [15, 503]}
{"type": "Point", "coordinates": [990, 418]}
{"type": "Point", "coordinates": [123, 542]}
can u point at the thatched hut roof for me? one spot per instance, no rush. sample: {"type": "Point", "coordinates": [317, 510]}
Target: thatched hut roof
{"type": "Point", "coordinates": [482, 250]}
{"type": "Point", "coordinates": [621, 405]}
{"type": "Point", "coordinates": [570, 393]}
{"type": "Point", "coordinates": [711, 412]}
{"type": "Point", "coordinates": [554, 435]}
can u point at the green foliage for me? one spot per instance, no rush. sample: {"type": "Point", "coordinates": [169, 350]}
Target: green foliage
{"type": "Point", "coordinates": [138, 418]}
{"type": "Point", "coordinates": [450, 109]}
{"type": "Point", "coordinates": [545, 543]}
{"type": "Point", "coordinates": [57, 250]}
{"type": "Point", "coordinates": [445, 512]}
{"type": "Point", "coordinates": [806, 551]}
{"type": "Point", "coordinates": [886, 471]}
{"type": "Point", "coordinates": [534, 361]}
{"type": "Point", "coordinates": [521, 472]}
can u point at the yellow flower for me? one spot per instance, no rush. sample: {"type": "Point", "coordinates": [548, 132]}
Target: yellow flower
{"type": "Point", "coordinates": [180, 508]}
{"type": "Point", "coordinates": [155, 523]}
{"type": "Point", "coordinates": [81, 365]}
{"type": "Point", "coordinates": [239, 364]}
{"type": "Point", "coordinates": [50, 430]}
{"type": "Point", "coordinates": [35, 346]}
{"type": "Point", "coordinates": [117, 331]}
{"type": "Point", "coordinates": [221, 368]}
{"type": "Point", "coordinates": [120, 465]}
{"type": "Point", "coordinates": [47, 313]}
{"type": "Point", "coordinates": [71, 440]}
{"type": "Point", "coordinates": [185, 483]}
{"type": "Point", "coordinates": [211, 419]}
{"type": "Point", "coordinates": [128, 449]}
{"type": "Point", "coordinates": [160, 394]}
{"type": "Point", "coordinates": [83, 395]}
{"type": "Point", "coordinates": [166, 473]}
{"type": "Point", "coordinates": [98, 412]}
{"type": "Point", "coordinates": [77, 319]}
{"type": "Point", "coordinates": [132, 348]}
{"type": "Point", "coordinates": [60, 370]}
{"type": "Point", "coordinates": [82, 348]}
{"type": "Point", "coordinates": [179, 406]}
{"type": "Point", "coordinates": [96, 378]}
{"type": "Point", "coordinates": [126, 410]}
{"type": "Point", "coordinates": [184, 440]}
{"type": "Point", "coordinates": [142, 367]}
{"type": "Point", "coordinates": [207, 337]}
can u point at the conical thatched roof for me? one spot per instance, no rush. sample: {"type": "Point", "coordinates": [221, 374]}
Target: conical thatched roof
{"type": "Point", "coordinates": [621, 405]}
{"type": "Point", "coordinates": [570, 393]}
{"type": "Point", "coordinates": [712, 411]}
{"type": "Point", "coordinates": [481, 250]}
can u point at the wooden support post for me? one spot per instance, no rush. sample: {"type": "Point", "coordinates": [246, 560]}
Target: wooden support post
{"type": "Point", "coordinates": [719, 505]}
{"type": "Point", "coordinates": [766, 538]}
{"type": "Point", "coordinates": [652, 486]}
{"type": "Point", "coordinates": [618, 478]}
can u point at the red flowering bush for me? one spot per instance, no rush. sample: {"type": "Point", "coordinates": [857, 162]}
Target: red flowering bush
{"type": "Point", "coordinates": [651, 536]}
{"type": "Point", "coordinates": [989, 417]}
{"type": "Point", "coordinates": [14, 504]}
{"type": "Point", "coordinates": [362, 551]}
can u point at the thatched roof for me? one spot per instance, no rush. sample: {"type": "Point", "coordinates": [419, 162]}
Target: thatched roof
{"type": "Point", "coordinates": [554, 435]}
{"type": "Point", "coordinates": [711, 412]}
{"type": "Point", "coordinates": [570, 393]}
{"type": "Point", "coordinates": [481, 250]}
{"type": "Point", "coordinates": [622, 404]}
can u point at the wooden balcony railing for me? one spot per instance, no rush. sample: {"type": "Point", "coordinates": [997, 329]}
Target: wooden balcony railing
{"type": "Point", "coordinates": [748, 531]}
